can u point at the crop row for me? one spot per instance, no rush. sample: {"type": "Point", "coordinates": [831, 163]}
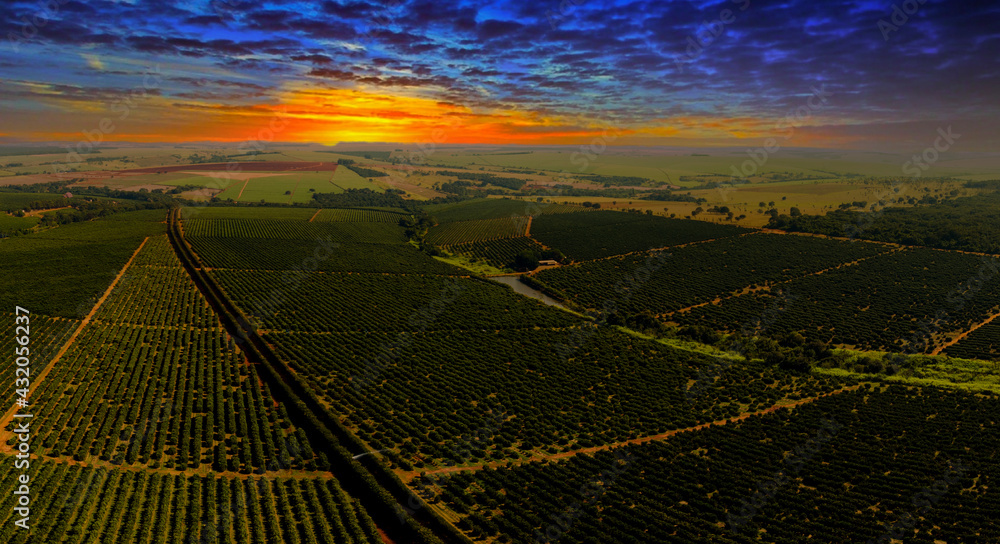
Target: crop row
{"type": "Point", "coordinates": [701, 272]}
{"type": "Point", "coordinates": [359, 215]}
{"type": "Point", "coordinates": [11, 202]}
{"type": "Point", "coordinates": [604, 218]}
{"type": "Point", "coordinates": [430, 397]}
{"type": "Point", "coordinates": [494, 208]}
{"type": "Point", "coordinates": [376, 302]}
{"type": "Point", "coordinates": [869, 466]}
{"type": "Point", "coordinates": [186, 402]}
{"type": "Point", "coordinates": [896, 302]}
{"type": "Point", "coordinates": [255, 229]}
{"type": "Point", "coordinates": [248, 212]}
{"type": "Point", "coordinates": [80, 505]}
{"type": "Point", "coordinates": [46, 334]}
{"type": "Point", "coordinates": [87, 256]}
{"type": "Point", "coordinates": [156, 252]}
{"type": "Point", "coordinates": [156, 215]}
{"type": "Point", "coordinates": [273, 254]}
{"type": "Point", "coordinates": [603, 234]}
{"type": "Point", "coordinates": [156, 294]}
{"type": "Point", "coordinates": [461, 232]}
{"type": "Point", "coordinates": [143, 385]}
{"type": "Point", "coordinates": [498, 253]}
{"type": "Point", "coordinates": [982, 343]}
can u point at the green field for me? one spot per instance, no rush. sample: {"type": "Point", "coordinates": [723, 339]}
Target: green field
{"type": "Point", "coordinates": [11, 202]}
{"type": "Point", "coordinates": [701, 381]}
{"type": "Point", "coordinates": [345, 178]}
{"type": "Point", "coordinates": [284, 189]}
{"type": "Point", "coordinates": [87, 255]}
{"type": "Point", "coordinates": [227, 212]}
{"type": "Point", "coordinates": [10, 223]}
{"type": "Point", "coordinates": [670, 166]}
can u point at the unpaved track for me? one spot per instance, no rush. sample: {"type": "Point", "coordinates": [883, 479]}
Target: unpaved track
{"type": "Point", "coordinates": [846, 239]}
{"type": "Point", "coordinates": [409, 476]}
{"type": "Point", "coordinates": [962, 336]}
{"type": "Point", "coordinates": [664, 248]}
{"type": "Point", "coordinates": [244, 188]}
{"type": "Point", "coordinates": [748, 290]}
{"type": "Point", "coordinates": [37, 380]}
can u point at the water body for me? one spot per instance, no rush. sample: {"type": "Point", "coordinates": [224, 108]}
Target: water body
{"type": "Point", "coordinates": [514, 282]}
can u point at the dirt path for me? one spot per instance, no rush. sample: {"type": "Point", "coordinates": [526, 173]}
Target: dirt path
{"type": "Point", "coordinates": [315, 214]}
{"type": "Point", "coordinates": [527, 229]}
{"type": "Point", "coordinates": [748, 290]}
{"type": "Point", "coordinates": [244, 188]}
{"type": "Point", "coordinates": [37, 380]}
{"type": "Point", "coordinates": [664, 248]}
{"type": "Point", "coordinates": [93, 461]}
{"type": "Point", "coordinates": [902, 246]}
{"type": "Point", "coordinates": [296, 188]}
{"type": "Point", "coordinates": [307, 167]}
{"type": "Point", "coordinates": [962, 336]}
{"type": "Point", "coordinates": [409, 476]}
{"type": "Point", "coordinates": [38, 213]}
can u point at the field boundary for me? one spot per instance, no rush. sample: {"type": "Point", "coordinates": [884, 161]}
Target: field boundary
{"type": "Point", "coordinates": [411, 475]}
{"type": "Point", "coordinates": [749, 290]}
{"type": "Point", "coordinates": [9, 415]}
{"type": "Point", "coordinates": [244, 188]}
{"type": "Point", "coordinates": [377, 488]}
{"type": "Point", "coordinates": [964, 334]}
{"type": "Point", "coordinates": [895, 244]}
{"type": "Point", "coordinates": [664, 248]}
{"type": "Point", "coordinates": [291, 195]}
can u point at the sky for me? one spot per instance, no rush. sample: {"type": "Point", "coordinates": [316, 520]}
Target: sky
{"type": "Point", "coordinates": [853, 74]}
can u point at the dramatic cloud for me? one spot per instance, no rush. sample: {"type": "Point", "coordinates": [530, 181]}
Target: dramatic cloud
{"type": "Point", "coordinates": [550, 71]}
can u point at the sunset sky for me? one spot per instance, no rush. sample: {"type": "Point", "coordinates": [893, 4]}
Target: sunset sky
{"type": "Point", "coordinates": [502, 72]}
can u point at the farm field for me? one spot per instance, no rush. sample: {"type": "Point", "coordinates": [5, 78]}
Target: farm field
{"type": "Point", "coordinates": [199, 405]}
{"type": "Point", "coordinates": [11, 202]}
{"type": "Point", "coordinates": [983, 343]}
{"type": "Point", "coordinates": [670, 165]}
{"type": "Point", "coordinates": [316, 368]}
{"type": "Point", "coordinates": [89, 255]}
{"type": "Point", "coordinates": [281, 188]}
{"type": "Point", "coordinates": [499, 253]}
{"type": "Point", "coordinates": [668, 281]}
{"type": "Point", "coordinates": [463, 232]}
{"type": "Point", "coordinates": [359, 216]}
{"type": "Point", "coordinates": [280, 254]}
{"type": "Point", "coordinates": [560, 272]}
{"type": "Point", "coordinates": [872, 306]}
{"type": "Point", "coordinates": [345, 178]}
{"type": "Point", "coordinates": [493, 208]}
{"type": "Point", "coordinates": [322, 305]}
{"type": "Point", "coordinates": [387, 233]}
{"type": "Point", "coordinates": [520, 392]}
{"type": "Point", "coordinates": [823, 469]}
{"type": "Point", "coordinates": [193, 508]}
{"type": "Point", "coordinates": [228, 212]}
{"type": "Point", "coordinates": [604, 234]}
{"type": "Point", "coordinates": [10, 224]}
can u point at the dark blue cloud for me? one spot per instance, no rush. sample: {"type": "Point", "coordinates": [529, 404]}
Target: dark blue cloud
{"type": "Point", "coordinates": [627, 60]}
